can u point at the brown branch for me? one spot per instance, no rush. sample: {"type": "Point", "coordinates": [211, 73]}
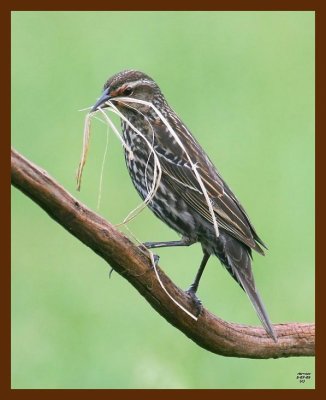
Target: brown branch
{"type": "Point", "coordinates": [209, 332]}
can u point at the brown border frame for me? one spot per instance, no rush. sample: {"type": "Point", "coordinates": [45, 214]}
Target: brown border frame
{"type": "Point", "coordinates": [239, 5]}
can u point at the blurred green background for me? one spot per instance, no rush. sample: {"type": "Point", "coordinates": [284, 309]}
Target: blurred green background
{"type": "Point", "coordinates": [244, 84]}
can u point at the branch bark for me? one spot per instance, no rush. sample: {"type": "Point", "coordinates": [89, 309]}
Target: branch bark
{"type": "Point", "coordinates": [209, 331]}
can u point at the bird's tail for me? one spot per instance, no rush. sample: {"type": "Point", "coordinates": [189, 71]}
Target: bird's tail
{"type": "Point", "coordinates": [238, 263]}
{"type": "Point", "coordinates": [256, 301]}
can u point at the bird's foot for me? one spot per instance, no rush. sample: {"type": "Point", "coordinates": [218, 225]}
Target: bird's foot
{"type": "Point", "coordinates": [191, 292]}
{"type": "Point", "coordinates": [155, 258]}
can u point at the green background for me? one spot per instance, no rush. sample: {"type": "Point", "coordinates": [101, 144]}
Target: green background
{"type": "Point", "coordinates": [244, 84]}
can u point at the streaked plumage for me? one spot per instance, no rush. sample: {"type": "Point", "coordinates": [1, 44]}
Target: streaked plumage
{"type": "Point", "coordinates": [179, 200]}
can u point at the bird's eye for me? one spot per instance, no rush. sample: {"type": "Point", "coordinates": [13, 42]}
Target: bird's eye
{"type": "Point", "coordinates": [127, 92]}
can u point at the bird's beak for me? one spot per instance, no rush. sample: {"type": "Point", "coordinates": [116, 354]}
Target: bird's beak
{"type": "Point", "coordinates": [102, 100]}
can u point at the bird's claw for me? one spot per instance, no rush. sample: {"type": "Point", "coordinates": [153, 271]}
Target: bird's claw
{"type": "Point", "coordinates": [195, 300]}
{"type": "Point", "coordinates": [156, 259]}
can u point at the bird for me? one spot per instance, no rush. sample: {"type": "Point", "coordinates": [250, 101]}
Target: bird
{"type": "Point", "coordinates": [181, 199]}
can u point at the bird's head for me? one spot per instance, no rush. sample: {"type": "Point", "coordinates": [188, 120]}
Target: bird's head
{"type": "Point", "coordinates": [126, 85]}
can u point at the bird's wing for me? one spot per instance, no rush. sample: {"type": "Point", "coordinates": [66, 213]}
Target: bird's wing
{"type": "Point", "coordinates": [177, 170]}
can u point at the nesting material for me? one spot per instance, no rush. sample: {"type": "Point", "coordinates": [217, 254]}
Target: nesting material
{"type": "Point", "coordinates": [157, 170]}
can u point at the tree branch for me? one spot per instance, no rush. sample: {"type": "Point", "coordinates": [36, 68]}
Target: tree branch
{"type": "Point", "coordinates": [209, 332]}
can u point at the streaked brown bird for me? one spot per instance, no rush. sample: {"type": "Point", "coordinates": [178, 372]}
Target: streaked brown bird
{"type": "Point", "coordinates": [179, 200]}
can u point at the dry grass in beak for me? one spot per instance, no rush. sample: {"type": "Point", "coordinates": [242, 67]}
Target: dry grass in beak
{"type": "Point", "coordinates": [157, 171]}
{"type": "Point", "coordinates": [85, 148]}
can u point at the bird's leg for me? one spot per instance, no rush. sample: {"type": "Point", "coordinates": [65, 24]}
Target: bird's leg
{"type": "Point", "coordinates": [183, 242]}
{"type": "Point", "coordinates": [194, 286]}
{"type": "Point", "coordinates": [156, 245]}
